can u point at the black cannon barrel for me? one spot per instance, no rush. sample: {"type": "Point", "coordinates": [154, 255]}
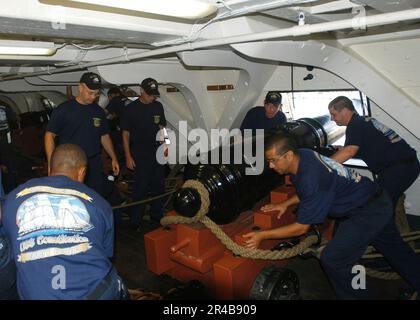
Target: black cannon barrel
{"type": "Point", "coordinates": [314, 132]}
{"type": "Point", "coordinates": [231, 191]}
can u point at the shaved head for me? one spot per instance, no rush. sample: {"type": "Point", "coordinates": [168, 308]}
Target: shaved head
{"type": "Point", "coordinates": [281, 142]}
{"type": "Point", "coordinates": [67, 159]}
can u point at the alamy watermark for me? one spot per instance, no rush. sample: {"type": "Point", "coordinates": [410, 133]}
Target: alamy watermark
{"type": "Point", "coordinates": [359, 280]}
{"type": "Point", "coordinates": [58, 282]}
{"type": "Point", "coordinates": [223, 146]}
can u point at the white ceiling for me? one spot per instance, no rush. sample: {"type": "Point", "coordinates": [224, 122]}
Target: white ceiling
{"type": "Point", "coordinates": [83, 34]}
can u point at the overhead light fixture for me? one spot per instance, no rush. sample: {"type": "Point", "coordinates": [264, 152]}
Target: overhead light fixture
{"type": "Point", "coordinates": [27, 48]}
{"type": "Point", "coordinates": [187, 9]}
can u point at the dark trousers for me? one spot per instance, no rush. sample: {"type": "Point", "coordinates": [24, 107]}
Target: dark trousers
{"type": "Point", "coordinates": [398, 178]}
{"type": "Point", "coordinates": [149, 175]}
{"type": "Point", "coordinates": [6, 159]}
{"type": "Point", "coordinates": [8, 289]}
{"type": "Point", "coordinates": [112, 287]}
{"type": "Point", "coordinates": [94, 177]}
{"type": "Point", "coordinates": [372, 223]}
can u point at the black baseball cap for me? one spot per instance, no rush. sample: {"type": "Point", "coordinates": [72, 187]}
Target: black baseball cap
{"type": "Point", "coordinates": [273, 97]}
{"type": "Point", "coordinates": [150, 86]}
{"type": "Point", "coordinates": [91, 80]}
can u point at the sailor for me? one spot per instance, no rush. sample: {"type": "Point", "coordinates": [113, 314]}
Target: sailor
{"type": "Point", "coordinates": [114, 109]}
{"type": "Point", "coordinates": [116, 104]}
{"type": "Point", "coordinates": [83, 122]}
{"type": "Point", "coordinates": [142, 120]}
{"type": "Point", "coordinates": [325, 187]}
{"type": "Point", "coordinates": [62, 234]}
{"type": "Point", "coordinates": [387, 155]}
{"type": "Point", "coordinates": [268, 117]}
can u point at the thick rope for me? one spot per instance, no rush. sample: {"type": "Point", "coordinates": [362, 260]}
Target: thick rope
{"type": "Point", "coordinates": [258, 253]}
{"type": "Point", "coordinates": [225, 239]}
{"type": "Point", "coordinates": [370, 272]}
{"type": "Point", "coordinates": [302, 247]}
{"type": "Point", "coordinates": [382, 275]}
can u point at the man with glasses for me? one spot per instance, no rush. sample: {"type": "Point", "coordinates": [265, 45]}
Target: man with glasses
{"type": "Point", "coordinates": [326, 188]}
{"type": "Point", "coordinates": [83, 122]}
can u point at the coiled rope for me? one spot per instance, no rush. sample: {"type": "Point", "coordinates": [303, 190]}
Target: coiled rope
{"type": "Point", "coordinates": [225, 239]}
{"type": "Point", "coordinates": [302, 248]}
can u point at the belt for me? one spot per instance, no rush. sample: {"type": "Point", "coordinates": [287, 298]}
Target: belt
{"type": "Point", "coordinates": [101, 287]}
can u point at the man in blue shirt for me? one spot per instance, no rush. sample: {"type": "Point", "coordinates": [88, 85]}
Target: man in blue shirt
{"type": "Point", "coordinates": [115, 107]}
{"type": "Point", "coordinates": [268, 117]}
{"type": "Point", "coordinates": [62, 234]}
{"type": "Point", "coordinates": [387, 155]}
{"type": "Point", "coordinates": [141, 121]}
{"type": "Point", "coordinates": [327, 188]}
{"type": "Point", "coordinates": [83, 122]}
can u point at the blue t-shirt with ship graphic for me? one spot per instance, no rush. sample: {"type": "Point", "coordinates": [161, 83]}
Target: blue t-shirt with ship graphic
{"type": "Point", "coordinates": [62, 235]}
{"type": "Point", "coordinates": [325, 187]}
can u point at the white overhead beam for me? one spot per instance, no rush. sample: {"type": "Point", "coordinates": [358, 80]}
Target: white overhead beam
{"type": "Point", "coordinates": [252, 78]}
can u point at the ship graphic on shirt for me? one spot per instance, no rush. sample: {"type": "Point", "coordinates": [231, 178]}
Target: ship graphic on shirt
{"type": "Point", "coordinates": [52, 214]}
{"type": "Point", "coordinates": [341, 170]}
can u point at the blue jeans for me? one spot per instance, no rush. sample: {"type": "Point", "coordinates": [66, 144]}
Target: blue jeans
{"type": "Point", "coordinates": [372, 223]}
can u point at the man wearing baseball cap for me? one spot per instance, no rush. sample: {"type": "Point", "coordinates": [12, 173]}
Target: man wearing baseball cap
{"type": "Point", "coordinates": [268, 117]}
{"type": "Point", "coordinates": [141, 121]}
{"type": "Point", "coordinates": [83, 122]}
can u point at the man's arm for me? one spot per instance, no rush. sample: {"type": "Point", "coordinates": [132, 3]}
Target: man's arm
{"type": "Point", "coordinates": [109, 148]}
{"type": "Point", "coordinates": [291, 230]}
{"type": "Point", "coordinates": [126, 145]}
{"type": "Point", "coordinates": [345, 153]}
{"type": "Point", "coordinates": [49, 145]}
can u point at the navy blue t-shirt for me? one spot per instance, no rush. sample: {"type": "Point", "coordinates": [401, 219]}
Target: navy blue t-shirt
{"type": "Point", "coordinates": [143, 122]}
{"type": "Point", "coordinates": [256, 119]}
{"type": "Point", "coordinates": [379, 146]}
{"type": "Point", "coordinates": [325, 187]}
{"type": "Point", "coordinates": [83, 125]}
{"type": "Point", "coordinates": [116, 105]}
{"type": "Point", "coordinates": [61, 234]}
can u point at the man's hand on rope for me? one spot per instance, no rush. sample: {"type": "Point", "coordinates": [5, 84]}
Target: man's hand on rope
{"type": "Point", "coordinates": [280, 207]}
{"type": "Point", "coordinates": [254, 239]}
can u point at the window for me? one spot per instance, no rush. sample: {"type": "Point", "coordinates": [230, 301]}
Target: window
{"type": "Point", "coordinates": [310, 104]}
